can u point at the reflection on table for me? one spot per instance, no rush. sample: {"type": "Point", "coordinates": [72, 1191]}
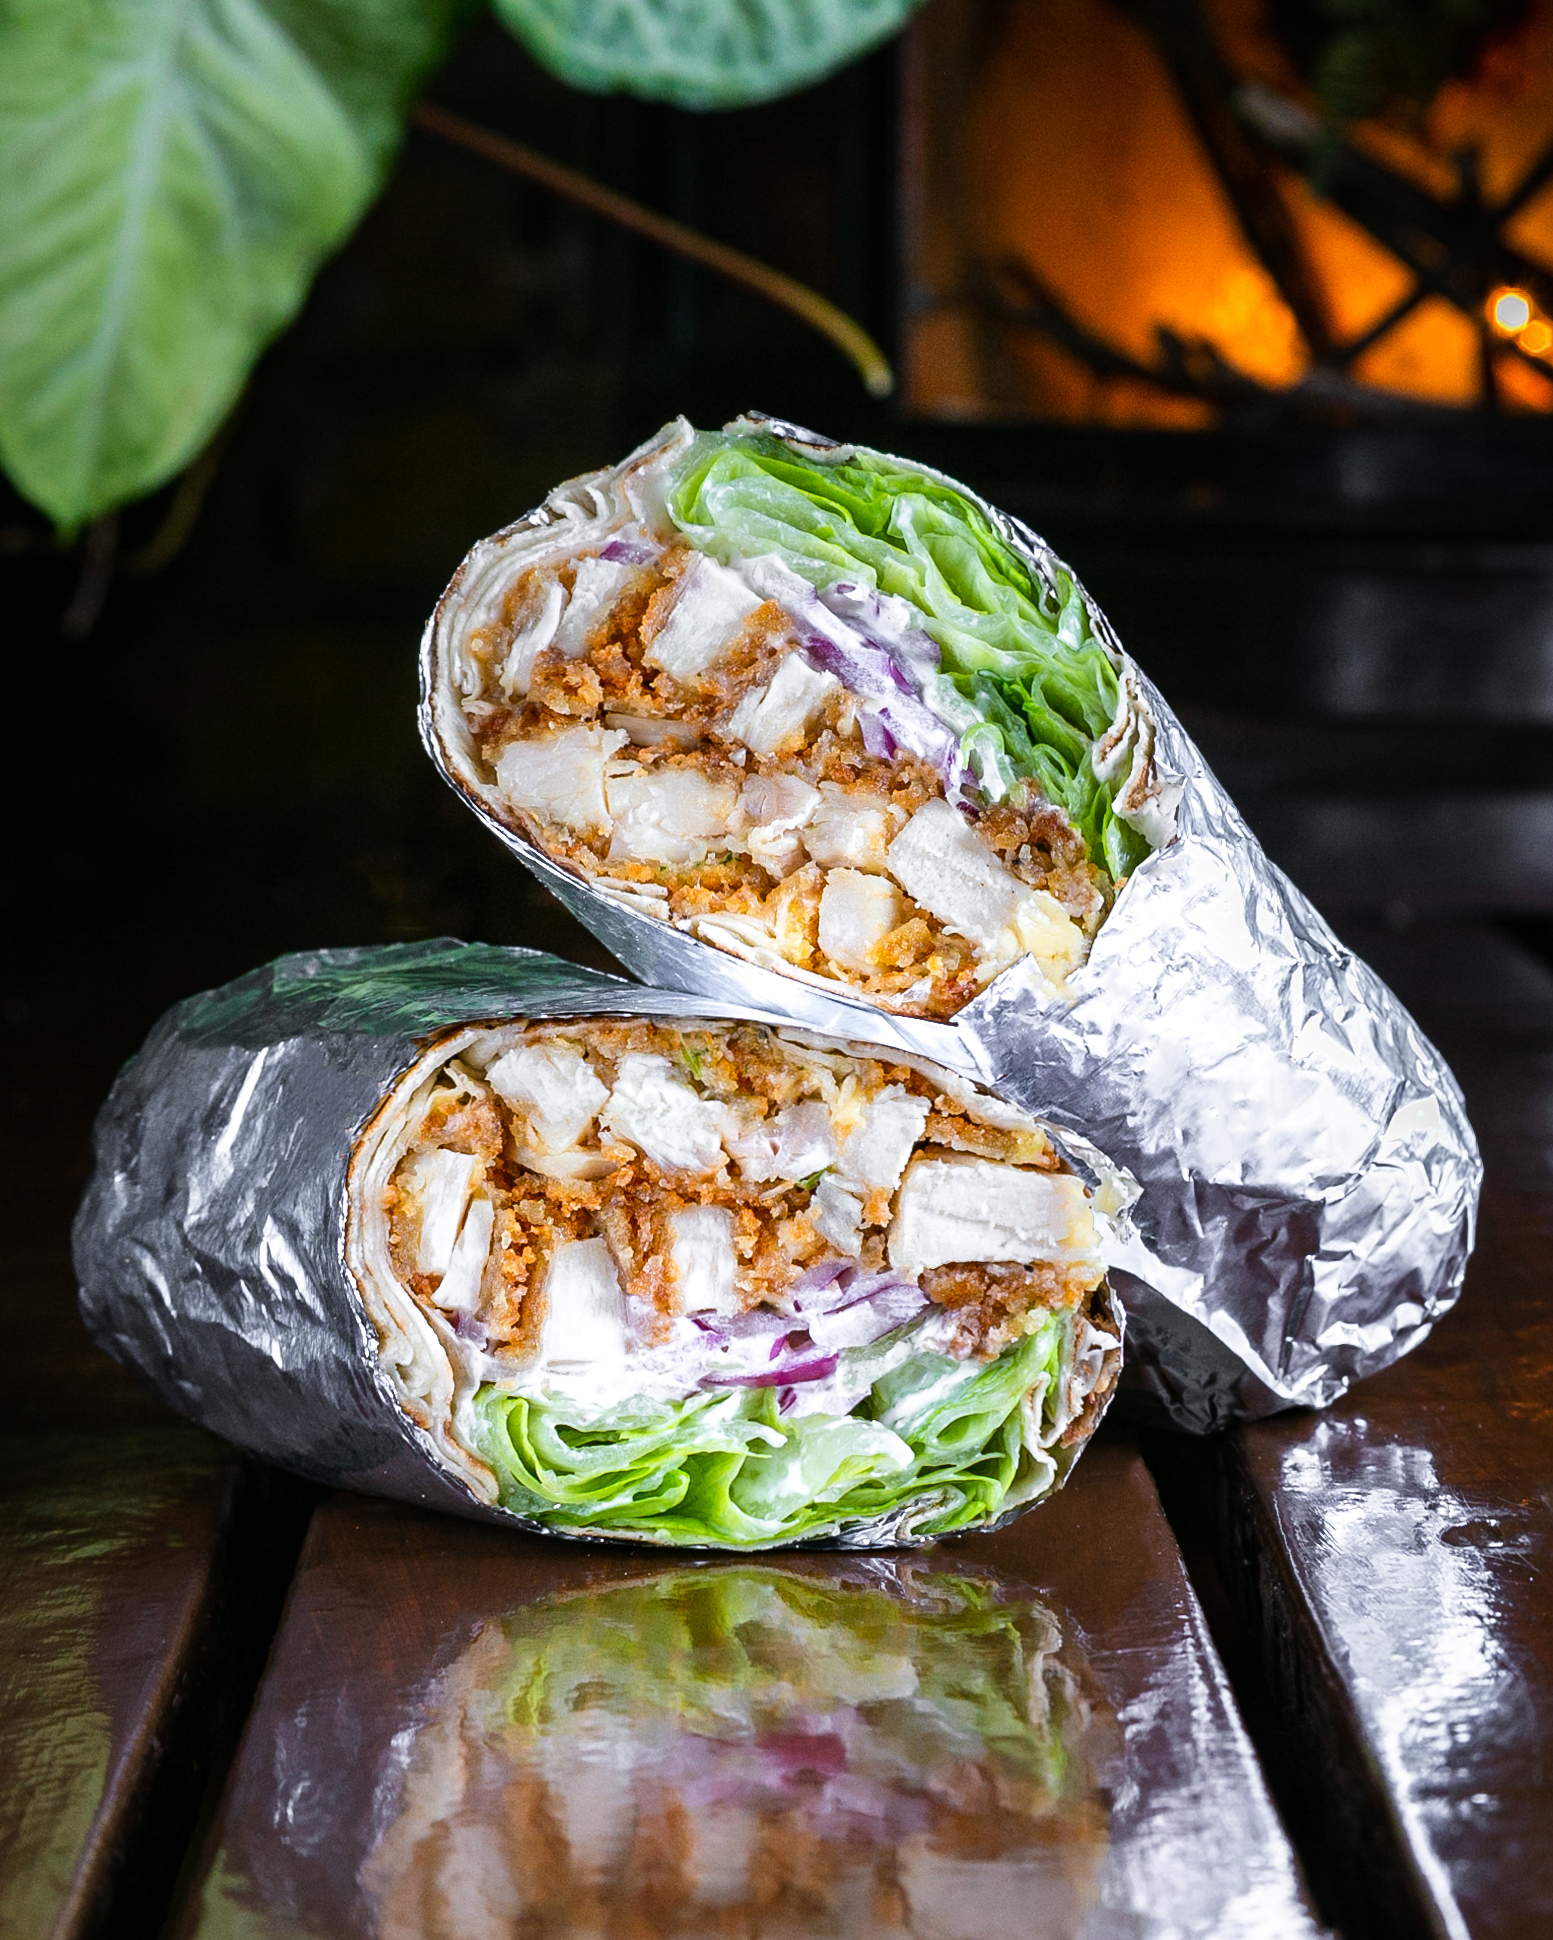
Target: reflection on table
{"type": "Point", "coordinates": [884, 1748]}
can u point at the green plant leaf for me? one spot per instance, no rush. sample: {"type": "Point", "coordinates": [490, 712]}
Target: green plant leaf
{"type": "Point", "coordinates": [175, 171]}
{"type": "Point", "coordinates": [700, 53]}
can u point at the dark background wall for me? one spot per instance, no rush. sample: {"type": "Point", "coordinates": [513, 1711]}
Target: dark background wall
{"type": "Point", "coordinates": [1357, 623]}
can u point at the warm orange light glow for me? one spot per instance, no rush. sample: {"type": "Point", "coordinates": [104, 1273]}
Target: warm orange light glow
{"type": "Point", "coordinates": [1074, 253]}
{"type": "Point", "coordinates": [1510, 310]}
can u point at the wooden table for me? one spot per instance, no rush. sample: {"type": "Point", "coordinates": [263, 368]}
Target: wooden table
{"type": "Point", "coordinates": [1315, 1697]}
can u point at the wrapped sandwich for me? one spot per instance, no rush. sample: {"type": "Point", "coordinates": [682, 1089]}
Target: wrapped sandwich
{"type": "Point", "coordinates": [806, 704]}
{"type": "Point", "coordinates": [810, 728]}
{"type": "Point", "coordinates": [474, 1226]}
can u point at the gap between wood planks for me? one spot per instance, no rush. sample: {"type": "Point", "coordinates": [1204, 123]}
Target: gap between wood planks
{"type": "Point", "coordinates": [251, 1572]}
{"type": "Point", "coordinates": [1191, 1473]}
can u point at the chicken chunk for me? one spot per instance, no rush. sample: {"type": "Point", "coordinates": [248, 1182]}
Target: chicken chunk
{"type": "Point", "coordinates": [939, 862]}
{"type": "Point", "coordinates": [857, 913]}
{"type": "Point", "coordinates": [560, 776]}
{"type": "Point", "coordinates": [459, 1291]}
{"type": "Point", "coordinates": [836, 1214]}
{"type": "Point", "coordinates": [850, 830]}
{"type": "Point", "coordinates": [792, 1145]}
{"type": "Point", "coordinates": [585, 1313]}
{"type": "Point", "coordinates": [874, 1152]}
{"type": "Point", "coordinates": [557, 1091]}
{"type": "Point", "coordinates": [437, 1184]}
{"type": "Point", "coordinates": [772, 719]}
{"type": "Point", "coordinates": [704, 1259]}
{"type": "Point", "coordinates": [957, 1210]}
{"type": "Point", "coordinates": [710, 607]}
{"type": "Point", "coordinates": [671, 815]}
{"type": "Point", "coordinates": [660, 1114]}
{"type": "Point", "coordinates": [599, 583]}
{"type": "Point", "coordinates": [774, 809]}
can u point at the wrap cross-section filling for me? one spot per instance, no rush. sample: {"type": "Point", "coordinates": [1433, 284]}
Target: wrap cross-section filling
{"type": "Point", "coordinates": [720, 1284]}
{"type": "Point", "coordinates": [814, 708]}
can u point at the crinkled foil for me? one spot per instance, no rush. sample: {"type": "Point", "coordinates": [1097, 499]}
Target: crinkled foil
{"type": "Point", "coordinates": [1309, 1176]}
{"type": "Point", "coordinates": [210, 1246]}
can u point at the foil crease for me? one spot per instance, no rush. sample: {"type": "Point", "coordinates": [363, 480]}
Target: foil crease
{"type": "Point", "coordinates": [1309, 1176]}
{"type": "Point", "coordinates": [210, 1245]}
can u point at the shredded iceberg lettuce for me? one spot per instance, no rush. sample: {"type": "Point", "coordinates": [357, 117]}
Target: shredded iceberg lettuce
{"type": "Point", "coordinates": [726, 1467]}
{"type": "Point", "coordinates": [1023, 680]}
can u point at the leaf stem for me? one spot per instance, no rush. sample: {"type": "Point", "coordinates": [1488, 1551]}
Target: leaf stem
{"type": "Point", "coordinates": [786, 291]}
{"type": "Point", "coordinates": [99, 549]}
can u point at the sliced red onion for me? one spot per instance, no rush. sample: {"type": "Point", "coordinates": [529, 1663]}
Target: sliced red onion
{"type": "Point", "coordinates": [630, 552]}
{"type": "Point", "coordinates": [891, 620]}
{"type": "Point", "coordinates": [777, 1377]}
{"type": "Point", "coordinates": [867, 1320]}
{"type": "Point", "coordinates": [816, 1278]}
{"type": "Point", "coordinates": [857, 1285]}
{"type": "Point", "coordinates": [863, 667]}
{"type": "Point", "coordinates": [877, 738]}
{"type": "Point", "coordinates": [759, 1320]}
{"type": "Point", "coordinates": [867, 665]}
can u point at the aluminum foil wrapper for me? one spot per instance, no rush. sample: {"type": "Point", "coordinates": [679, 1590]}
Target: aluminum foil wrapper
{"type": "Point", "coordinates": [1309, 1175]}
{"type": "Point", "coordinates": [212, 1244]}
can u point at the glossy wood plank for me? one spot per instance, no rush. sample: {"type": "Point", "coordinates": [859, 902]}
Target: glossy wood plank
{"type": "Point", "coordinates": [110, 1605]}
{"type": "Point", "coordinates": [1395, 1552]}
{"type": "Point", "coordinates": [464, 1734]}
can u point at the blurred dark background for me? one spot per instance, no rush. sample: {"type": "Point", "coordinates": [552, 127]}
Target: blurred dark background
{"type": "Point", "coordinates": [213, 750]}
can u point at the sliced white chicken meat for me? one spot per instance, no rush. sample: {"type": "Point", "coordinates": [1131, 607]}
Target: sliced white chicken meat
{"type": "Point", "coordinates": [655, 730]}
{"type": "Point", "coordinates": [835, 1212]}
{"type": "Point", "coordinates": [558, 1092]}
{"type": "Point", "coordinates": [777, 717]}
{"type": "Point", "coordinates": [704, 1259]}
{"type": "Point", "coordinates": [561, 776]}
{"type": "Point", "coordinates": [599, 583]}
{"type": "Point", "coordinates": [459, 1290]}
{"type": "Point", "coordinates": [773, 809]}
{"type": "Point", "coordinates": [438, 1184]}
{"type": "Point", "coordinates": [656, 1111]}
{"type": "Point", "coordinates": [535, 631]}
{"type": "Point", "coordinates": [709, 610]}
{"type": "Point", "coordinates": [955, 1211]}
{"type": "Point", "coordinates": [939, 862]}
{"type": "Point", "coordinates": [876, 1148]}
{"type": "Point", "coordinates": [585, 1311]}
{"type": "Point", "coordinates": [850, 830]}
{"type": "Point", "coordinates": [670, 815]}
{"type": "Point", "coordinates": [857, 913]}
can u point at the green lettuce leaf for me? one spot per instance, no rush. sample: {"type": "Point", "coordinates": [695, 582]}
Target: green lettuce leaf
{"type": "Point", "coordinates": [175, 171]}
{"type": "Point", "coordinates": [724, 1467]}
{"type": "Point", "coordinates": [700, 53]}
{"type": "Point", "coordinates": [1023, 678]}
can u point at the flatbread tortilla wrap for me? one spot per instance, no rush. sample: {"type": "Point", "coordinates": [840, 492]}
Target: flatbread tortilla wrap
{"type": "Point", "coordinates": [474, 1226]}
{"type": "Point", "coordinates": [806, 703]}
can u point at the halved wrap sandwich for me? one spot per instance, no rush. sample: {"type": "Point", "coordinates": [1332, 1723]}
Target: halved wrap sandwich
{"type": "Point", "coordinates": [807, 703]}
{"type": "Point", "coordinates": [590, 1258]}
{"type": "Point", "coordinates": [812, 728]}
